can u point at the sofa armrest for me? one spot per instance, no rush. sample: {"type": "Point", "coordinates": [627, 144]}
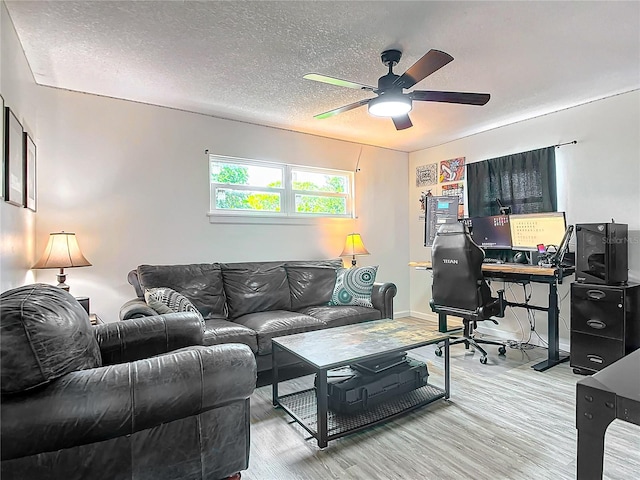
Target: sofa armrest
{"type": "Point", "coordinates": [134, 281]}
{"type": "Point", "coordinates": [382, 298]}
{"type": "Point", "coordinates": [107, 402]}
{"type": "Point", "coordinates": [136, 308]}
{"type": "Point", "coordinates": [145, 337]}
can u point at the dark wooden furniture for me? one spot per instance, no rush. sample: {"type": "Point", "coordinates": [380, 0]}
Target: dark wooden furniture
{"type": "Point", "coordinates": [517, 272]}
{"type": "Point", "coordinates": [611, 393]}
{"type": "Point", "coordinates": [331, 348]}
{"type": "Point", "coordinates": [93, 317]}
{"type": "Point", "coordinates": [605, 324]}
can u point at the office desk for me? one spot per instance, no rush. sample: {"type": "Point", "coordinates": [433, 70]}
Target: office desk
{"type": "Point", "coordinates": [517, 272]}
{"type": "Point", "coordinates": [613, 392]}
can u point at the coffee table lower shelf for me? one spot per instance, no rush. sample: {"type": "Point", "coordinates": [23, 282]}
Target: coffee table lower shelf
{"type": "Point", "coordinates": [302, 406]}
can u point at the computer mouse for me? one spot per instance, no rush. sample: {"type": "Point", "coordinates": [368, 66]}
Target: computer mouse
{"type": "Point", "coordinates": [520, 257]}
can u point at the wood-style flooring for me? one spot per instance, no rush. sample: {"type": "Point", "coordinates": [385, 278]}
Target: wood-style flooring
{"type": "Point", "coordinates": [504, 420]}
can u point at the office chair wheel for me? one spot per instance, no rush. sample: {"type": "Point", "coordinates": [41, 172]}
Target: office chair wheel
{"type": "Point", "coordinates": [502, 350]}
{"type": "Point", "coordinates": [438, 352]}
{"type": "Point", "coordinates": [483, 359]}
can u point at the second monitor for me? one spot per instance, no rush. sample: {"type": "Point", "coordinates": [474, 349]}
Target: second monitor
{"type": "Point", "coordinates": [533, 229]}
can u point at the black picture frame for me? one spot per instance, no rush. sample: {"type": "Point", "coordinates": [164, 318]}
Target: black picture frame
{"type": "Point", "coordinates": [30, 185]}
{"type": "Point", "coordinates": [2, 141]}
{"type": "Point", "coordinates": [14, 160]}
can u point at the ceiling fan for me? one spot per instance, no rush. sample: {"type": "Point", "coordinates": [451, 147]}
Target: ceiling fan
{"type": "Point", "coordinates": [391, 101]}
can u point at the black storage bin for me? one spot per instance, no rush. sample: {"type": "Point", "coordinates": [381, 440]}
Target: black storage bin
{"type": "Point", "coordinates": [363, 390]}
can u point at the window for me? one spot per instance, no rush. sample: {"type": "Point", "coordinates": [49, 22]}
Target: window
{"type": "Point", "coordinates": [254, 188]}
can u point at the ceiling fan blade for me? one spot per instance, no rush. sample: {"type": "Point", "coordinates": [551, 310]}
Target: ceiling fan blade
{"type": "Point", "coordinates": [344, 108]}
{"type": "Point", "coordinates": [450, 97]}
{"type": "Point", "coordinates": [430, 62]}
{"type": "Point", "coordinates": [336, 81]}
{"type": "Point", "coordinates": [402, 122]}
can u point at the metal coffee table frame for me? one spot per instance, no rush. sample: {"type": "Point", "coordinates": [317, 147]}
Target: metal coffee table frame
{"type": "Point", "coordinates": [309, 408]}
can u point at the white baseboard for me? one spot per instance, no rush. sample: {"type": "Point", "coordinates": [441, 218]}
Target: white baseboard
{"type": "Point", "coordinates": [422, 316]}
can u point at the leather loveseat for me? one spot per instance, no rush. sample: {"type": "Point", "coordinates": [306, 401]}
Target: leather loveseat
{"type": "Point", "coordinates": [126, 400]}
{"type": "Point", "coordinates": [253, 302]}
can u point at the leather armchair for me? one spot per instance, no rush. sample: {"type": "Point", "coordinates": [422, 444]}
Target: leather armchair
{"type": "Point", "coordinates": [155, 406]}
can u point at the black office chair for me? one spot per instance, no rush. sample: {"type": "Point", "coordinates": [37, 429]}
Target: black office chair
{"type": "Point", "coordinates": [459, 288]}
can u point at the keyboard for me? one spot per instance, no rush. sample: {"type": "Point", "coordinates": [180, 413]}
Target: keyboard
{"type": "Point", "coordinates": [492, 260]}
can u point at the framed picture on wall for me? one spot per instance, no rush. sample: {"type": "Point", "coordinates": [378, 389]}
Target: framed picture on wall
{"type": "Point", "coordinates": [14, 160]}
{"type": "Point", "coordinates": [30, 190]}
{"type": "Point", "coordinates": [2, 140]}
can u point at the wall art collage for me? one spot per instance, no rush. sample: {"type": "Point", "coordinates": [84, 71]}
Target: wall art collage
{"type": "Point", "coordinates": [446, 178]}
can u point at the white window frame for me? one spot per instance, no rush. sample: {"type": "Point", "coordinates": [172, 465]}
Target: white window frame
{"type": "Point", "coordinates": [287, 193]}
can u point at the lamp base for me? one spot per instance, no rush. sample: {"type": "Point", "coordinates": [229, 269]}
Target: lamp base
{"type": "Point", "coordinates": [61, 279]}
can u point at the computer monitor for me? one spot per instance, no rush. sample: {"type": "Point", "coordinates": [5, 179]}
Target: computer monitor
{"type": "Point", "coordinates": [532, 229]}
{"type": "Point", "coordinates": [439, 210]}
{"type": "Point", "coordinates": [490, 232]}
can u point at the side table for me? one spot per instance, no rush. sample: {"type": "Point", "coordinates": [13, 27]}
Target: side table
{"type": "Point", "coordinates": [93, 317]}
{"type": "Point", "coordinates": [611, 393]}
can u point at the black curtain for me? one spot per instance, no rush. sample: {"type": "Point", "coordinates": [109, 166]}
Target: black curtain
{"type": "Point", "coordinates": [525, 181]}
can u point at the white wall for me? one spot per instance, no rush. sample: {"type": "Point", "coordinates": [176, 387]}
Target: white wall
{"type": "Point", "coordinates": [598, 178]}
{"type": "Point", "coordinates": [16, 223]}
{"type": "Point", "coordinates": [131, 180]}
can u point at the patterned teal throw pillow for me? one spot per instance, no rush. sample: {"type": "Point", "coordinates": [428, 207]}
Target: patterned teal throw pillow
{"type": "Point", "coordinates": [354, 286]}
{"type": "Point", "coordinates": [166, 300]}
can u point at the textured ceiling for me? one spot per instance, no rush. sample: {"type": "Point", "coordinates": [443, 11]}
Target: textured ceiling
{"type": "Point", "coordinates": [245, 60]}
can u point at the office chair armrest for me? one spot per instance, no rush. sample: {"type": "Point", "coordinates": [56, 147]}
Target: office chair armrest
{"type": "Point", "coordinates": [493, 309]}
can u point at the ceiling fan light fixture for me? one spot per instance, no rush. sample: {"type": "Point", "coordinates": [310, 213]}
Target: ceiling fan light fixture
{"type": "Point", "coordinates": [390, 106]}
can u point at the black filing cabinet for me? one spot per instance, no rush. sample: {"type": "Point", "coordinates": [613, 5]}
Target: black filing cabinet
{"type": "Point", "coordinates": [605, 324]}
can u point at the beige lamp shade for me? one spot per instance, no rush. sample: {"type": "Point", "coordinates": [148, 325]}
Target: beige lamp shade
{"type": "Point", "coordinates": [353, 246]}
{"type": "Point", "coordinates": [62, 252]}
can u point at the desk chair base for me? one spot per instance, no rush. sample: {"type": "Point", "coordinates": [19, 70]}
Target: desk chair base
{"type": "Point", "coordinates": [468, 339]}
{"type": "Point", "coordinates": [473, 342]}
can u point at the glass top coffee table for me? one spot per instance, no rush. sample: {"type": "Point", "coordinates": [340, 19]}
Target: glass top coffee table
{"type": "Point", "coordinates": [331, 348]}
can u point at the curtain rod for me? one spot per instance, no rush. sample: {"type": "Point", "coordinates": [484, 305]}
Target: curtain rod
{"type": "Point", "coordinates": [566, 143]}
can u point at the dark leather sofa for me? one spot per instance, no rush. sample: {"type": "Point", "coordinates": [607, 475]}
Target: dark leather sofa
{"type": "Point", "coordinates": [128, 400]}
{"type": "Point", "coordinates": [253, 302]}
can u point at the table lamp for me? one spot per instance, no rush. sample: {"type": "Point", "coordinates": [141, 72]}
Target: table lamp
{"type": "Point", "coordinates": [62, 252]}
{"type": "Point", "coordinates": [353, 246]}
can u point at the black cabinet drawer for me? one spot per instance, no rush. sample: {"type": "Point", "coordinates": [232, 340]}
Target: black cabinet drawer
{"type": "Point", "coordinates": [606, 319]}
{"type": "Point", "coordinates": [599, 311]}
{"type": "Point", "coordinates": [597, 293]}
{"type": "Point", "coordinates": [594, 352]}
